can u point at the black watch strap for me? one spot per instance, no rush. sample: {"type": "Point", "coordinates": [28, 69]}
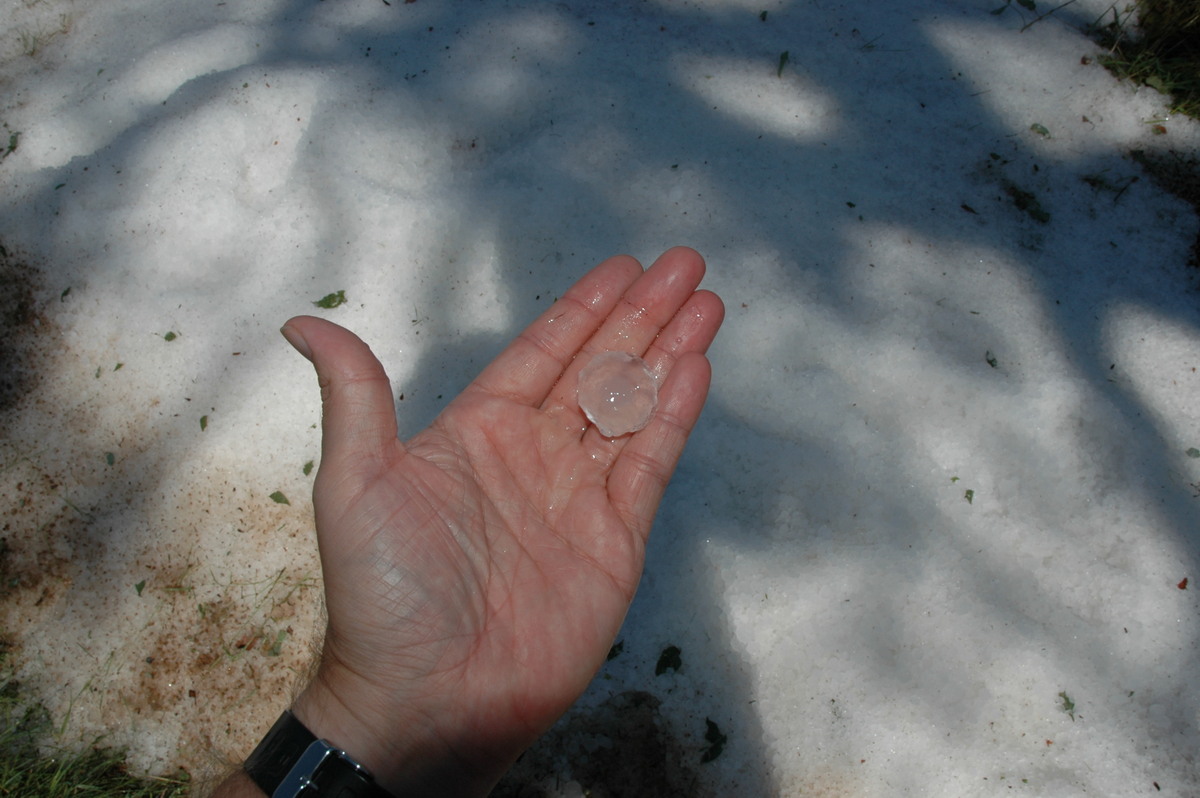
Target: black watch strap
{"type": "Point", "coordinates": [291, 762]}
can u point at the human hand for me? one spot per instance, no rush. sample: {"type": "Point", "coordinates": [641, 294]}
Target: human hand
{"type": "Point", "coordinates": [476, 576]}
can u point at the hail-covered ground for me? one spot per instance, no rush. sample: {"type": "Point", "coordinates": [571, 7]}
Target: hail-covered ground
{"type": "Point", "coordinates": [935, 531]}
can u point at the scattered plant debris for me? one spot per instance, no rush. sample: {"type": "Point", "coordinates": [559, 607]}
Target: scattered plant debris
{"type": "Point", "coordinates": [275, 648]}
{"type": "Point", "coordinates": [170, 336]}
{"type": "Point", "coordinates": [670, 659]}
{"type": "Point", "coordinates": [1040, 129]}
{"type": "Point", "coordinates": [624, 747]}
{"type": "Point", "coordinates": [330, 301]}
{"type": "Point", "coordinates": [615, 651]}
{"type": "Point", "coordinates": [279, 498]}
{"type": "Point", "coordinates": [716, 742]}
{"type": "Point", "coordinates": [1099, 183]}
{"type": "Point", "coordinates": [1026, 201]}
{"type": "Point", "coordinates": [991, 359]}
{"type": "Point", "coordinates": [1193, 452]}
{"type": "Point", "coordinates": [969, 495]}
{"type": "Point", "coordinates": [203, 423]}
{"type": "Point", "coordinates": [13, 139]}
{"type": "Point", "coordinates": [1068, 705]}
{"type": "Point", "coordinates": [1183, 585]}
{"type": "Point", "coordinates": [783, 59]}
{"type": "Point", "coordinates": [308, 467]}
{"type": "Point", "coordinates": [140, 586]}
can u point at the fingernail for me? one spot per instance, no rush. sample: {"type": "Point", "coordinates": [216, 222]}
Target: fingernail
{"type": "Point", "coordinates": [297, 341]}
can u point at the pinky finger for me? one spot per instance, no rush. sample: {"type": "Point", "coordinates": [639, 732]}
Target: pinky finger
{"type": "Point", "coordinates": [644, 466]}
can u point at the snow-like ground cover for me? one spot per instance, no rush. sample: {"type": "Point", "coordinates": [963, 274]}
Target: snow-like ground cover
{"type": "Point", "coordinates": [932, 534]}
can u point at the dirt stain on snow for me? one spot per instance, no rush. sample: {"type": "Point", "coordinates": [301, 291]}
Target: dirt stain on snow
{"type": "Point", "coordinates": [141, 598]}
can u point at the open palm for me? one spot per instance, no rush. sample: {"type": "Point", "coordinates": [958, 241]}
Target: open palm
{"type": "Point", "coordinates": [476, 575]}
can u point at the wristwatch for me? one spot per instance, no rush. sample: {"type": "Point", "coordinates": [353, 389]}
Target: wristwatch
{"type": "Point", "coordinates": [291, 762]}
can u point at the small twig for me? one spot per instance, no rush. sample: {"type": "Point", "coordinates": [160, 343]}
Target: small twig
{"type": "Point", "coordinates": [1128, 183]}
{"type": "Point", "coordinates": [1028, 25]}
{"type": "Point", "coordinates": [1096, 22]}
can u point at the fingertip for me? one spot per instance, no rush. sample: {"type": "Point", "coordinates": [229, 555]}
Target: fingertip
{"type": "Point", "coordinates": [712, 311]}
{"type": "Point", "coordinates": [292, 334]}
{"type": "Point", "coordinates": [600, 288]}
{"type": "Point", "coordinates": [687, 258]}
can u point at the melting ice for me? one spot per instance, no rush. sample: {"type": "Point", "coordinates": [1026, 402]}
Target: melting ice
{"type": "Point", "coordinates": [618, 393]}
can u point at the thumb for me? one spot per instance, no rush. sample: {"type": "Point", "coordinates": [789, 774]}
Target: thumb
{"type": "Point", "coordinates": [358, 416]}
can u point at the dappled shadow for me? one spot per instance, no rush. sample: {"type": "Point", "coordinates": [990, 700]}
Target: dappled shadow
{"type": "Point", "coordinates": [455, 169]}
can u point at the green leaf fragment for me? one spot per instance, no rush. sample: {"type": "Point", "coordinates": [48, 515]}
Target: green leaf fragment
{"type": "Point", "coordinates": [991, 359]}
{"type": "Point", "coordinates": [170, 336]}
{"type": "Point", "coordinates": [276, 648]}
{"type": "Point", "coordinates": [615, 651]}
{"type": "Point", "coordinates": [1040, 129]}
{"type": "Point", "coordinates": [969, 496]}
{"type": "Point", "coordinates": [308, 467]}
{"type": "Point", "coordinates": [110, 458]}
{"type": "Point", "coordinates": [783, 59]}
{"type": "Point", "coordinates": [716, 742]}
{"type": "Point", "coordinates": [1068, 705]}
{"type": "Point", "coordinates": [763, 16]}
{"type": "Point", "coordinates": [279, 498]}
{"type": "Point", "coordinates": [1193, 452]}
{"type": "Point", "coordinates": [140, 586]}
{"type": "Point", "coordinates": [333, 300]}
{"type": "Point", "coordinates": [203, 423]}
{"type": "Point", "coordinates": [670, 659]}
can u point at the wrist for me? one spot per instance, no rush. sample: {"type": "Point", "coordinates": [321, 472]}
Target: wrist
{"type": "Point", "coordinates": [395, 742]}
{"type": "Point", "coordinates": [362, 735]}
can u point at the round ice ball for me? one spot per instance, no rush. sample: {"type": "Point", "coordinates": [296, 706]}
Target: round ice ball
{"type": "Point", "coordinates": [618, 393]}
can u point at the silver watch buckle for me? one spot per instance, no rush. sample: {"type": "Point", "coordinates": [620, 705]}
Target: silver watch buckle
{"type": "Point", "coordinates": [301, 775]}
